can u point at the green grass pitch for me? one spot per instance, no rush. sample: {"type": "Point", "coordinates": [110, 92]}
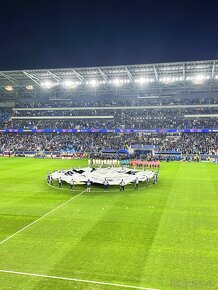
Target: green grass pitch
{"type": "Point", "coordinates": [163, 237]}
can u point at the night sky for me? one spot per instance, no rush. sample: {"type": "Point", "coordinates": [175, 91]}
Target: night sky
{"type": "Point", "coordinates": [57, 34]}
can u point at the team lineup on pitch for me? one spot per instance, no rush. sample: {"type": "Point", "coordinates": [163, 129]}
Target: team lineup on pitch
{"type": "Point", "coordinates": [109, 176]}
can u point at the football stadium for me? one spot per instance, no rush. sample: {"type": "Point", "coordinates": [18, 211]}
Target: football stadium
{"type": "Point", "coordinates": [109, 177]}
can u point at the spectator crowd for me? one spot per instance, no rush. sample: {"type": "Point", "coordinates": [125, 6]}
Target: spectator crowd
{"type": "Point", "coordinates": [123, 118]}
{"type": "Point", "coordinates": [187, 143]}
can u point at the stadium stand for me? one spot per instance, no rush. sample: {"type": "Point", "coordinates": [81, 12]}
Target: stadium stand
{"type": "Point", "coordinates": [200, 114]}
{"type": "Point", "coordinates": [167, 123]}
{"type": "Point", "coordinates": [186, 143]}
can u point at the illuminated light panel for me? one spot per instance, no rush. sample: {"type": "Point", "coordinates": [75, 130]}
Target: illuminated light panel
{"type": "Point", "coordinates": [118, 82]}
{"type": "Point", "coordinates": [69, 84]}
{"type": "Point", "coordinates": [9, 88]}
{"type": "Point", "coordinates": [93, 83]}
{"type": "Point", "coordinates": [143, 81]}
{"type": "Point", "coordinates": [199, 79]}
{"type": "Point", "coordinates": [47, 84]}
{"type": "Point", "coordinates": [30, 87]}
{"type": "Point", "coordinates": [168, 80]}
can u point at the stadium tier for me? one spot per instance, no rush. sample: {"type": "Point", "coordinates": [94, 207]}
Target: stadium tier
{"type": "Point", "coordinates": [175, 114]}
{"type": "Point", "coordinates": [98, 143]}
{"type": "Point", "coordinates": [95, 109]}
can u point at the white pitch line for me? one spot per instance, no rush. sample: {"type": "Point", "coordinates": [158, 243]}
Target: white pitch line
{"type": "Point", "coordinates": [76, 280]}
{"type": "Point", "coordinates": [29, 225]}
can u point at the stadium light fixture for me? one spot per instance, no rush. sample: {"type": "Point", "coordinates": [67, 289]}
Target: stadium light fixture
{"type": "Point", "coordinates": [173, 79]}
{"type": "Point", "coordinates": [119, 82]}
{"type": "Point", "coordinates": [69, 84]}
{"type": "Point", "coordinates": [9, 88]}
{"type": "Point", "coordinates": [143, 80]}
{"type": "Point", "coordinates": [47, 84]}
{"type": "Point", "coordinates": [93, 83]}
{"type": "Point", "coordinates": [166, 80]}
{"type": "Point", "coordinates": [30, 87]}
{"type": "Point", "coordinates": [200, 79]}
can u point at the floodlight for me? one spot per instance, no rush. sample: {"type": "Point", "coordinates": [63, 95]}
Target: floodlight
{"type": "Point", "coordinates": [9, 88]}
{"type": "Point", "coordinates": [47, 84]}
{"type": "Point", "coordinates": [69, 84]}
{"type": "Point", "coordinates": [141, 81]}
{"type": "Point", "coordinates": [170, 79]}
{"type": "Point", "coordinates": [30, 87]}
{"type": "Point", "coordinates": [166, 80]}
{"type": "Point", "coordinates": [117, 82]}
{"type": "Point", "coordinates": [93, 83]}
{"type": "Point", "coordinates": [199, 79]}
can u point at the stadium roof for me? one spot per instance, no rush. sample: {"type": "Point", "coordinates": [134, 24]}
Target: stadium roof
{"type": "Point", "coordinates": [124, 80]}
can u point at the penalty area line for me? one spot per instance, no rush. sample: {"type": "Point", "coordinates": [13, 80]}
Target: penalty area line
{"type": "Point", "coordinates": [76, 280]}
{"type": "Point", "coordinates": [40, 218]}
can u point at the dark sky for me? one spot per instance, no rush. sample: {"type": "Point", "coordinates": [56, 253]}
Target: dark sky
{"type": "Point", "coordinates": [49, 34]}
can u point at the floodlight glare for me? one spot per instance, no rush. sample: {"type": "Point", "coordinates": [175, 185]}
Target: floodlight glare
{"type": "Point", "coordinates": [117, 82]}
{"type": "Point", "coordinates": [141, 81]}
{"type": "Point", "coordinates": [93, 83]}
{"type": "Point", "coordinates": [30, 87]}
{"type": "Point", "coordinates": [166, 80]}
{"type": "Point", "coordinates": [170, 79]}
{"type": "Point", "coordinates": [68, 84]}
{"type": "Point", "coordinates": [199, 79]}
{"type": "Point", "coordinates": [9, 88]}
{"type": "Point", "coordinates": [47, 84]}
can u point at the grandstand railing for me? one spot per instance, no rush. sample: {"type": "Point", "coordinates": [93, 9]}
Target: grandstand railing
{"type": "Point", "coordinates": [59, 117]}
